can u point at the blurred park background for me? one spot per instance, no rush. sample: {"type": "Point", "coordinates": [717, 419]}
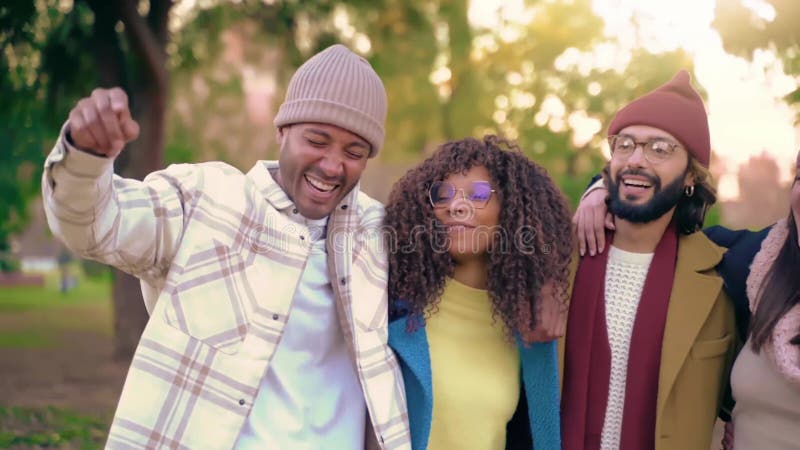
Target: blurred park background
{"type": "Point", "coordinates": [205, 78]}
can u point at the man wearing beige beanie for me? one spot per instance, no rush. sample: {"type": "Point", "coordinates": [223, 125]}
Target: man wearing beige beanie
{"type": "Point", "coordinates": [266, 290]}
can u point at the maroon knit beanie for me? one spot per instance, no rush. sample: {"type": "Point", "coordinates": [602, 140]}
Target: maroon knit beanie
{"type": "Point", "coordinates": [675, 108]}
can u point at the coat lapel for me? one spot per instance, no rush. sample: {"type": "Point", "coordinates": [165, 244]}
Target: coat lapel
{"type": "Point", "coordinates": [562, 341]}
{"type": "Point", "coordinates": [412, 348]}
{"type": "Point", "coordinates": [540, 380]}
{"type": "Point", "coordinates": [692, 298]}
{"type": "Point", "coordinates": [413, 352]}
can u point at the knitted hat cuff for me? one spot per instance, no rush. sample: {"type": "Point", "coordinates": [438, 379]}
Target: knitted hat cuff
{"type": "Point", "coordinates": [337, 87]}
{"type": "Point", "coordinates": [319, 110]}
{"type": "Point", "coordinates": [676, 108]}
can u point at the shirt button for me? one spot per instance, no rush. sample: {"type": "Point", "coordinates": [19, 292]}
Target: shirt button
{"type": "Point", "coordinates": [344, 206]}
{"type": "Point", "coordinates": [343, 281]}
{"type": "Point", "coordinates": [274, 317]}
{"type": "Point", "coordinates": [302, 238]}
{"type": "Point", "coordinates": [294, 211]}
{"type": "Point", "coordinates": [241, 401]}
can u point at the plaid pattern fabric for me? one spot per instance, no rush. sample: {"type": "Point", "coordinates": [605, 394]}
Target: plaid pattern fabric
{"type": "Point", "coordinates": [219, 254]}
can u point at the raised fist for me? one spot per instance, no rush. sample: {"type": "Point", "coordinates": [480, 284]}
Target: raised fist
{"type": "Point", "coordinates": [102, 123]}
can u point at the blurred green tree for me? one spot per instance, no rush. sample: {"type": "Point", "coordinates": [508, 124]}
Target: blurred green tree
{"type": "Point", "coordinates": [744, 30]}
{"type": "Point", "coordinates": [23, 118]}
{"type": "Point", "coordinates": [537, 76]}
{"type": "Point", "coordinates": [55, 52]}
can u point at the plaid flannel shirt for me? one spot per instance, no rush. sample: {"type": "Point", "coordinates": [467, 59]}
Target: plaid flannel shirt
{"type": "Point", "coordinates": [219, 257]}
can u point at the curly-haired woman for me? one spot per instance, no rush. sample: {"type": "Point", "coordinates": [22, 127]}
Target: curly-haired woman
{"type": "Point", "coordinates": [481, 247]}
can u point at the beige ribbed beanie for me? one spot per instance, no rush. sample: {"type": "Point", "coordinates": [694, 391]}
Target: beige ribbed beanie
{"type": "Point", "coordinates": [337, 87]}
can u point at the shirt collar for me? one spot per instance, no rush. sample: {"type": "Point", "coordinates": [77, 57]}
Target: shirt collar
{"type": "Point", "coordinates": [260, 175]}
{"type": "Point", "coordinates": [269, 188]}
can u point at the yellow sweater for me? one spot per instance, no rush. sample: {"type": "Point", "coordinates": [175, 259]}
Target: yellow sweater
{"type": "Point", "coordinates": [475, 370]}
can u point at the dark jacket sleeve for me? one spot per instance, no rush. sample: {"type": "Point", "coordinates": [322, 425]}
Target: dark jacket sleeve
{"type": "Point", "coordinates": [518, 429]}
{"type": "Point", "coordinates": [593, 181]}
{"type": "Point", "coordinates": [742, 246]}
{"type": "Point", "coordinates": [734, 268]}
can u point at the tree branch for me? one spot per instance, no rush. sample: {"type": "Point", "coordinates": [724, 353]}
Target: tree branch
{"type": "Point", "coordinates": [106, 45]}
{"type": "Point", "coordinates": [145, 43]}
{"type": "Point", "coordinates": [158, 19]}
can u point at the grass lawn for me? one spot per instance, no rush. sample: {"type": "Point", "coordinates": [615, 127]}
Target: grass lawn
{"type": "Point", "coordinates": [34, 317]}
{"type": "Point", "coordinates": [25, 298]}
{"type": "Point", "coordinates": [47, 341]}
{"type": "Point", "coordinates": [50, 427]}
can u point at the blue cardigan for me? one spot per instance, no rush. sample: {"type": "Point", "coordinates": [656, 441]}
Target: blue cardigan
{"type": "Point", "coordinates": [539, 363]}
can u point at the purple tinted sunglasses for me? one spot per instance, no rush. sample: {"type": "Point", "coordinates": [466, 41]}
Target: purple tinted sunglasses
{"type": "Point", "coordinates": [442, 193]}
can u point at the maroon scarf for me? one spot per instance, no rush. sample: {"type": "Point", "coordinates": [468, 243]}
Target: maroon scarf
{"type": "Point", "coordinates": [587, 366]}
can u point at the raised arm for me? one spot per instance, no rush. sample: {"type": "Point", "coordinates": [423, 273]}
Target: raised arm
{"type": "Point", "coordinates": [130, 224]}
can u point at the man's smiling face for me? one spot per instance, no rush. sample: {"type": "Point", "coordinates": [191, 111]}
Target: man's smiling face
{"type": "Point", "coordinates": [319, 165]}
{"type": "Point", "coordinates": [640, 190]}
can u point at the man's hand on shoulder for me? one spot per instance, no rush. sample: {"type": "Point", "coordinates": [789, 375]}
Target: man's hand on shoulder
{"type": "Point", "coordinates": [551, 317]}
{"type": "Point", "coordinates": [590, 221]}
{"type": "Point", "coordinates": [101, 124]}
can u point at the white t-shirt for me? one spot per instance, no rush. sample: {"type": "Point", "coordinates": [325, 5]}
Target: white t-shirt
{"type": "Point", "coordinates": [310, 397]}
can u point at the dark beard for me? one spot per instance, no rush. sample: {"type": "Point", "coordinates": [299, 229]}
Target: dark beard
{"type": "Point", "coordinates": [663, 199]}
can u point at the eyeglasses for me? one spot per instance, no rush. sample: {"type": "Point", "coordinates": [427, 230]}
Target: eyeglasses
{"type": "Point", "coordinates": [442, 193]}
{"type": "Point", "coordinates": [656, 150]}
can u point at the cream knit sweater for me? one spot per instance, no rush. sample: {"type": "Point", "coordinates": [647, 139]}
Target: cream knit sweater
{"type": "Point", "coordinates": [625, 276]}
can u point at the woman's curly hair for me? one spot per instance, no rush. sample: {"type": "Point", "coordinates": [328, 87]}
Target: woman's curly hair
{"type": "Point", "coordinates": [529, 254]}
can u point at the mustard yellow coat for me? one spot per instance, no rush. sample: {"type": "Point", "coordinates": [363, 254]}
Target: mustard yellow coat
{"type": "Point", "coordinates": [698, 350]}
